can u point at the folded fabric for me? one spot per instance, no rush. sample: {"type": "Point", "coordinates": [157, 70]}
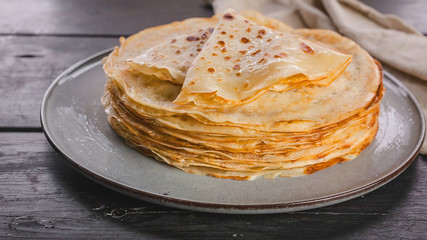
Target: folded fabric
{"type": "Point", "coordinates": [399, 47]}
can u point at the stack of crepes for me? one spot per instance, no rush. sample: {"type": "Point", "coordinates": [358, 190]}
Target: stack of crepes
{"type": "Point", "coordinates": [241, 96]}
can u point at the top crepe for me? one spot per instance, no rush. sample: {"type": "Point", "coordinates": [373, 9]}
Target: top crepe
{"type": "Point", "coordinates": [242, 60]}
{"type": "Point", "coordinates": [239, 62]}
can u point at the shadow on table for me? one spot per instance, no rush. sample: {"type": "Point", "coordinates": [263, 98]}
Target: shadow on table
{"type": "Point", "coordinates": [129, 217]}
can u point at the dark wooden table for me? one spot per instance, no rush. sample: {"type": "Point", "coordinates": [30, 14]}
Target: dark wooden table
{"type": "Point", "coordinates": [41, 197]}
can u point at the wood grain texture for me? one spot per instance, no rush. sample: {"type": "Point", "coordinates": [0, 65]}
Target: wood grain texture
{"type": "Point", "coordinates": [43, 197]}
{"type": "Point", "coordinates": [116, 17]}
{"type": "Point", "coordinates": [99, 18]}
{"type": "Point", "coordinates": [27, 67]}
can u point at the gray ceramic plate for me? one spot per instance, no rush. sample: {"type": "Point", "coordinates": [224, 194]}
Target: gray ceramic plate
{"type": "Point", "coordinates": [75, 124]}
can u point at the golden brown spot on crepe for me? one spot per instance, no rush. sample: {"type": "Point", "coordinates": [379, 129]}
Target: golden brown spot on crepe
{"type": "Point", "coordinates": [307, 49]}
{"type": "Point", "coordinates": [261, 61]}
{"type": "Point", "coordinates": [211, 70]}
{"type": "Point", "coordinates": [192, 38]}
{"type": "Point", "coordinates": [260, 33]}
{"type": "Point", "coordinates": [236, 67]}
{"type": "Point", "coordinates": [228, 16]}
{"type": "Point", "coordinates": [255, 53]}
{"type": "Point", "coordinates": [244, 40]}
{"type": "Point", "coordinates": [221, 43]}
{"type": "Point", "coordinates": [280, 55]}
{"type": "Point", "coordinates": [227, 57]}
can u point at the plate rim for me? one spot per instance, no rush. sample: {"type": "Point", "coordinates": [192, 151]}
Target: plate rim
{"type": "Point", "coordinates": [228, 208]}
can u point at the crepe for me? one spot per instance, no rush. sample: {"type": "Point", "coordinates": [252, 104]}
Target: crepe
{"type": "Point", "coordinates": [170, 60]}
{"type": "Point", "coordinates": [287, 123]}
{"type": "Point", "coordinates": [242, 60]}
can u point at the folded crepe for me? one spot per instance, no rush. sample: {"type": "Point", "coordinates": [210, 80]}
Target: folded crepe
{"type": "Point", "coordinates": [241, 96]}
{"type": "Point", "coordinates": [242, 60]}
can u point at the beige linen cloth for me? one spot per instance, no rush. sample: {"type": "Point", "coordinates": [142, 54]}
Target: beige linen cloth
{"type": "Point", "coordinates": [400, 48]}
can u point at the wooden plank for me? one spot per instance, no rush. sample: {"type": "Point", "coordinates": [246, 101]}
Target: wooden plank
{"type": "Point", "coordinates": [42, 197]}
{"type": "Point", "coordinates": [27, 67]}
{"type": "Point", "coordinates": [100, 17]}
{"type": "Point", "coordinates": [115, 17]}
